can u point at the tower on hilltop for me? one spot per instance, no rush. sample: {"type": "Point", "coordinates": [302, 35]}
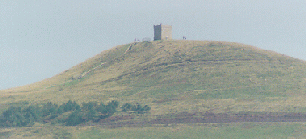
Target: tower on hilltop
{"type": "Point", "coordinates": [162, 32]}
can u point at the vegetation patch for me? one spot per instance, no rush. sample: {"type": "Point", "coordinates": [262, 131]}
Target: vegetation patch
{"type": "Point", "coordinates": [172, 77]}
{"type": "Point", "coordinates": [209, 131]}
{"type": "Point", "coordinates": [70, 113]}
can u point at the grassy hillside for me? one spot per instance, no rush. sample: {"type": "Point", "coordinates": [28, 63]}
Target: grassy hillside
{"type": "Point", "coordinates": [209, 131]}
{"type": "Point", "coordinates": [174, 76]}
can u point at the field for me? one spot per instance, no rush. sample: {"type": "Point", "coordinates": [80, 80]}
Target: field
{"type": "Point", "coordinates": [213, 131]}
{"type": "Point", "coordinates": [174, 77]}
{"type": "Point", "coordinates": [177, 76]}
{"type": "Point", "coordinates": [179, 131]}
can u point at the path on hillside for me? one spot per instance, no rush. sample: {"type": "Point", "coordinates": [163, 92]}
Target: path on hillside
{"type": "Point", "coordinates": [85, 73]}
{"type": "Point", "coordinates": [208, 117]}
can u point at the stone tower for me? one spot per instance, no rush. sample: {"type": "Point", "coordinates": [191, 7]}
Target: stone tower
{"type": "Point", "coordinates": [162, 32]}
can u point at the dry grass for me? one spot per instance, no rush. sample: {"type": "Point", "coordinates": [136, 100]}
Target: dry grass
{"type": "Point", "coordinates": [227, 130]}
{"type": "Point", "coordinates": [174, 76]}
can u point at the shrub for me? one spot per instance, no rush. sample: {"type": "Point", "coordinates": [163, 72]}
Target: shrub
{"type": "Point", "coordinates": [33, 112]}
{"type": "Point", "coordinates": [71, 106]}
{"type": "Point", "coordinates": [49, 112]}
{"type": "Point", "coordinates": [14, 117]}
{"type": "Point", "coordinates": [135, 108]}
{"type": "Point", "coordinates": [50, 109]}
{"type": "Point", "coordinates": [74, 118]}
{"type": "Point", "coordinates": [126, 107]}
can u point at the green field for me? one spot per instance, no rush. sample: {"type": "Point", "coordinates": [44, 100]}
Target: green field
{"type": "Point", "coordinates": [203, 74]}
{"type": "Point", "coordinates": [172, 77]}
{"type": "Point", "coordinates": [210, 131]}
{"type": "Point", "coordinates": [182, 131]}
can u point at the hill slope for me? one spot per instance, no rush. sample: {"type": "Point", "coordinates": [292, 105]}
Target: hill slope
{"type": "Point", "coordinates": [174, 76]}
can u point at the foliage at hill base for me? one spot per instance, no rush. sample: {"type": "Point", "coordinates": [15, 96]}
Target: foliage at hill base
{"type": "Point", "coordinates": [70, 113]}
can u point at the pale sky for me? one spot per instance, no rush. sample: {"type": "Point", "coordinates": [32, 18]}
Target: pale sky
{"type": "Point", "coordinates": [41, 38]}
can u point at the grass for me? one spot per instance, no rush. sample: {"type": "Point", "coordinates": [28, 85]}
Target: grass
{"type": "Point", "coordinates": [171, 69]}
{"type": "Point", "coordinates": [177, 76]}
{"type": "Point", "coordinates": [235, 130]}
{"type": "Point", "coordinates": [180, 131]}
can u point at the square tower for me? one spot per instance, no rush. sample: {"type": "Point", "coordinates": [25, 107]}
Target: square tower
{"type": "Point", "coordinates": [162, 32]}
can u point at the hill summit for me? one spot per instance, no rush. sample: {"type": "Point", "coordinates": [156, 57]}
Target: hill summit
{"type": "Point", "coordinates": [178, 75]}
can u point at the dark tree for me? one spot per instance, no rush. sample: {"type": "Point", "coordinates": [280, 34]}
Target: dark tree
{"type": "Point", "coordinates": [126, 107]}
{"type": "Point", "coordinates": [14, 117]}
{"type": "Point", "coordinates": [74, 118]}
{"type": "Point", "coordinates": [33, 113]}
{"type": "Point", "coordinates": [71, 106]}
{"type": "Point", "coordinates": [135, 108]}
{"type": "Point", "coordinates": [89, 105]}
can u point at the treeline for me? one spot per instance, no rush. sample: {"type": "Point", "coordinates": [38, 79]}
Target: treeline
{"type": "Point", "coordinates": [69, 113]}
{"type": "Point", "coordinates": [127, 107]}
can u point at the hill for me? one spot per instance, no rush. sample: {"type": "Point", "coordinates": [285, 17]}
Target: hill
{"type": "Point", "coordinates": [178, 76]}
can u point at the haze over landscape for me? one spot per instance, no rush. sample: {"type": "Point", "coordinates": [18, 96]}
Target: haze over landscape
{"type": "Point", "coordinates": [40, 39]}
{"type": "Point", "coordinates": [71, 69]}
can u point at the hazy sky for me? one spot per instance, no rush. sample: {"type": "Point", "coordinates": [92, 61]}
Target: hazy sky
{"type": "Point", "coordinates": [41, 38]}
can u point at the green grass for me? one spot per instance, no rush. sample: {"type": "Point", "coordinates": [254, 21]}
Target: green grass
{"type": "Point", "coordinates": [181, 131]}
{"type": "Point", "coordinates": [240, 93]}
{"type": "Point", "coordinates": [209, 131]}
{"type": "Point", "coordinates": [176, 70]}
{"type": "Point", "coordinates": [5, 134]}
{"type": "Point", "coordinates": [178, 76]}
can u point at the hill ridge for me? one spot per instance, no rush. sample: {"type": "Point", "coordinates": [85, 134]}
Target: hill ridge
{"type": "Point", "coordinates": [168, 74]}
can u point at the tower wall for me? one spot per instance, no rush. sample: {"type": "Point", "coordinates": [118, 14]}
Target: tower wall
{"type": "Point", "coordinates": [162, 32]}
{"type": "Point", "coordinates": [157, 32]}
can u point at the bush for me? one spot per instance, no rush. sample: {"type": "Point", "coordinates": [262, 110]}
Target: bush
{"type": "Point", "coordinates": [135, 108]}
{"type": "Point", "coordinates": [74, 118]}
{"type": "Point", "coordinates": [34, 113]}
{"type": "Point", "coordinates": [90, 112]}
{"type": "Point", "coordinates": [105, 111]}
{"type": "Point", "coordinates": [15, 117]}
{"type": "Point", "coordinates": [71, 106]}
{"type": "Point", "coordinates": [126, 107]}
{"type": "Point", "coordinates": [89, 105]}
{"type": "Point", "coordinates": [50, 109]}
{"type": "Point", "coordinates": [49, 112]}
